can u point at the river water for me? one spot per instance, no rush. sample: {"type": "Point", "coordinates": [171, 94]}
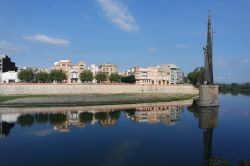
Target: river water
{"type": "Point", "coordinates": [145, 135]}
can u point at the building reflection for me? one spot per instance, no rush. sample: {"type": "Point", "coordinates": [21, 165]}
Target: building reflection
{"type": "Point", "coordinates": [64, 121]}
{"type": "Point", "coordinates": [168, 115]}
{"type": "Point", "coordinates": [7, 122]}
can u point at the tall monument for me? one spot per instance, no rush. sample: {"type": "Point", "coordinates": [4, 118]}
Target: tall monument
{"type": "Point", "coordinates": [208, 92]}
{"type": "Point", "coordinates": [208, 53]}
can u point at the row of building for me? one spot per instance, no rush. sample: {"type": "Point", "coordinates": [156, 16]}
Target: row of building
{"type": "Point", "coordinates": [73, 70]}
{"type": "Point", "coordinates": [167, 74]}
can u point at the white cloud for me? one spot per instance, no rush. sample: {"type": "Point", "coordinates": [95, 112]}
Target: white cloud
{"type": "Point", "coordinates": [152, 50]}
{"type": "Point", "coordinates": [183, 45]}
{"type": "Point", "coordinates": [118, 14]}
{"type": "Point", "coordinates": [7, 47]}
{"type": "Point", "coordinates": [49, 40]}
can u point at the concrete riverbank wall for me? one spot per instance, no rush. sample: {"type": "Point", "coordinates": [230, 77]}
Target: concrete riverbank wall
{"type": "Point", "coordinates": [50, 89]}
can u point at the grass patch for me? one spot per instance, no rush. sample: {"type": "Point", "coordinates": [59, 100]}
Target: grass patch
{"type": "Point", "coordinates": [95, 99]}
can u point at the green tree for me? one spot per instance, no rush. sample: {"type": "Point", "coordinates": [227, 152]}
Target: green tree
{"type": "Point", "coordinates": [86, 117]}
{"type": "Point", "coordinates": [42, 77]}
{"type": "Point", "coordinates": [196, 77]}
{"type": "Point", "coordinates": [26, 75]}
{"type": "Point", "coordinates": [101, 116]}
{"type": "Point", "coordinates": [57, 75]}
{"type": "Point", "coordinates": [235, 88]}
{"type": "Point", "coordinates": [86, 75]}
{"type": "Point", "coordinates": [185, 80]}
{"type": "Point", "coordinates": [100, 77]}
{"type": "Point", "coordinates": [26, 120]}
{"type": "Point", "coordinates": [57, 118]}
{"type": "Point", "coordinates": [41, 118]}
{"type": "Point", "coordinates": [129, 79]}
{"type": "Point", "coordinates": [115, 77]}
{"type": "Point", "coordinates": [115, 114]}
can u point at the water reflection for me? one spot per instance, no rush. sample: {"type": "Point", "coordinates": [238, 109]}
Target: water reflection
{"type": "Point", "coordinates": [208, 121]}
{"type": "Point", "coordinates": [168, 115]}
{"type": "Point", "coordinates": [7, 122]}
{"type": "Point", "coordinates": [63, 121]}
{"type": "Point", "coordinates": [208, 139]}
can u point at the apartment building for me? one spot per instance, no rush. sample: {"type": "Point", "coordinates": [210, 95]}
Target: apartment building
{"type": "Point", "coordinates": [7, 68]}
{"type": "Point", "coordinates": [168, 74]}
{"type": "Point", "coordinates": [72, 70]}
{"type": "Point", "coordinates": [108, 68]}
{"type": "Point", "coordinates": [149, 75]}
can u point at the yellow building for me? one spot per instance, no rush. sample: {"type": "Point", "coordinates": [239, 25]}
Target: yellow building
{"type": "Point", "coordinates": [108, 68]}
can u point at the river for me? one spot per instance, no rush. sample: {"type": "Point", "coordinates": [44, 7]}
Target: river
{"type": "Point", "coordinates": [157, 134]}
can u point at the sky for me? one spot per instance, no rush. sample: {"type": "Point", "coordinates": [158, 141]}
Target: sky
{"type": "Point", "coordinates": [37, 33]}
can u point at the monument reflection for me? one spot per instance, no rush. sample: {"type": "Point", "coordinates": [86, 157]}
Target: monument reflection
{"type": "Point", "coordinates": [208, 121]}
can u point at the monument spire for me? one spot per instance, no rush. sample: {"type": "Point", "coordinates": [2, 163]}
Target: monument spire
{"type": "Point", "coordinates": [208, 92]}
{"type": "Point", "coordinates": [208, 53]}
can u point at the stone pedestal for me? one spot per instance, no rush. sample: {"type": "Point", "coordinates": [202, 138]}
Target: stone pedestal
{"type": "Point", "coordinates": [208, 96]}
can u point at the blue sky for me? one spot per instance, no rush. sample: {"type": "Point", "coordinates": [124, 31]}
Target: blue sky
{"type": "Point", "coordinates": [37, 33]}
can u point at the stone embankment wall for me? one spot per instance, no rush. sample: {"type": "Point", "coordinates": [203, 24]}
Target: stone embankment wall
{"type": "Point", "coordinates": [47, 89]}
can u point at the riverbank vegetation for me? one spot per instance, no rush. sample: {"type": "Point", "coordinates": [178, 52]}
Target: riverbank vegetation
{"type": "Point", "coordinates": [235, 88]}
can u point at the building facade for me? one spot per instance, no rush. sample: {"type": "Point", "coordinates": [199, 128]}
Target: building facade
{"type": "Point", "coordinates": [75, 72]}
{"type": "Point", "coordinates": [167, 115]}
{"type": "Point", "coordinates": [150, 75]}
{"type": "Point", "coordinates": [168, 74]}
{"type": "Point", "coordinates": [108, 68]}
{"type": "Point", "coordinates": [6, 65]}
{"type": "Point", "coordinates": [72, 70]}
{"type": "Point", "coordinates": [9, 77]}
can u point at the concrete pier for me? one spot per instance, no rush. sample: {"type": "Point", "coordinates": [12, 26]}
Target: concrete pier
{"type": "Point", "coordinates": [208, 96]}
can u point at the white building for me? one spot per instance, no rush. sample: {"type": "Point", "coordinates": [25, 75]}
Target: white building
{"type": "Point", "coordinates": [6, 65]}
{"type": "Point", "coordinates": [176, 75]}
{"type": "Point", "coordinates": [94, 69]}
{"type": "Point", "coordinates": [9, 77]}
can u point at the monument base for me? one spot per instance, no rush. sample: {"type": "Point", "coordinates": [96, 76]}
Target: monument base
{"type": "Point", "coordinates": [208, 96]}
